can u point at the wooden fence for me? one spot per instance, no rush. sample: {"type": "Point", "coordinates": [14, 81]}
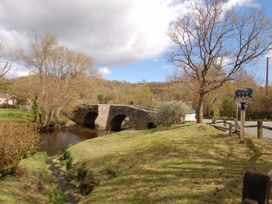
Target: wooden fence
{"type": "Point", "coordinates": [234, 127]}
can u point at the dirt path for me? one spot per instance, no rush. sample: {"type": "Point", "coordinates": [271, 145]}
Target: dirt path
{"type": "Point", "coordinates": [63, 184]}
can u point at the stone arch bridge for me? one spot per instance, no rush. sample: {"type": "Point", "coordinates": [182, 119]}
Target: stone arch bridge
{"type": "Point", "coordinates": [111, 117]}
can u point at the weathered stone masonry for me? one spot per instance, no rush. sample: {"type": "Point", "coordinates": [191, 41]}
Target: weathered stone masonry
{"type": "Point", "coordinates": [110, 117]}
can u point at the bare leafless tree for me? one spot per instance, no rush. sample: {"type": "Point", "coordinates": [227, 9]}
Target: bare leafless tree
{"type": "Point", "coordinates": [214, 44]}
{"type": "Point", "coordinates": [5, 68]}
{"type": "Point", "coordinates": [5, 61]}
{"type": "Point", "coordinates": [59, 70]}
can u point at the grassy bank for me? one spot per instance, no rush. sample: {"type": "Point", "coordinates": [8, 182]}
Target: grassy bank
{"type": "Point", "coordinates": [31, 184]}
{"type": "Point", "coordinates": [189, 163]}
{"type": "Point", "coordinates": [18, 115]}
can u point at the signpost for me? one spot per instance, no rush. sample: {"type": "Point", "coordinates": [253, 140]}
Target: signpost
{"type": "Point", "coordinates": [243, 98]}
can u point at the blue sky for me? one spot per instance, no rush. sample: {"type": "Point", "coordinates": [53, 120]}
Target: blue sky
{"type": "Point", "coordinates": [155, 69]}
{"type": "Point", "coordinates": [158, 69]}
{"type": "Point", "coordinates": [260, 68]}
{"type": "Point", "coordinates": [127, 39]}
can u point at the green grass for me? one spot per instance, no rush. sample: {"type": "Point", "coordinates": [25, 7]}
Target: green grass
{"type": "Point", "coordinates": [188, 163]}
{"type": "Point", "coordinates": [57, 197]}
{"type": "Point", "coordinates": [15, 115]}
{"type": "Point", "coordinates": [31, 184]}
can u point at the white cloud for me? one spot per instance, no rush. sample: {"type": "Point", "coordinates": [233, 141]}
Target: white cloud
{"type": "Point", "coordinates": [111, 32]}
{"type": "Point", "coordinates": [269, 54]}
{"type": "Point", "coordinates": [238, 3]}
{"type": "Point", "coordinates": [18, 70]}
{"type": "Point", "coordinates": [103, 71]}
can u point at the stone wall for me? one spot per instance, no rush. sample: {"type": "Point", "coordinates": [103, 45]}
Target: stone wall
{"type": "Point", "coordinates": [139, 118]}
{"type": "Point", "coordinates": [78, 115]}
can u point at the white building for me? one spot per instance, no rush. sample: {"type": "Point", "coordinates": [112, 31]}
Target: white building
{"type": "Point", "coordinates": [7, 100]}
{"type": "Point", "coordinates": [190, 117]}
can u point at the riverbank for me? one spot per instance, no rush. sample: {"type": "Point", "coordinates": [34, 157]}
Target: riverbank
{"type": "Point", "coordinates": [32, 182]}
{"type": "Point", "coordinates": [38, 178]}
{"type": "Point", "coordinates": [188, 163]}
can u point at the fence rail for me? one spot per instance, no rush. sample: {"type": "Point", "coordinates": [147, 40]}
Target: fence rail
{"type": "Point", "coordinates": [234, 127]}
{"type": "Point", "coordinates": [268, 128]}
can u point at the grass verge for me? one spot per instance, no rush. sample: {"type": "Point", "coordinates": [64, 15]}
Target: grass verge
{"type": "Point", "coordinates": [188, 163]}
{"type": "Point", "coordinates": [31, 184]}
{"type": "Point", "coordinates": [12, 114]}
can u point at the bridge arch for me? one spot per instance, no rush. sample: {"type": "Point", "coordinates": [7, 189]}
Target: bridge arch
{"type": "Point", "coordinates": [89, 120]}
{"type": "Point", "coordinates": [117, 122]}
{"type": "Point", "coordinates": [151, 125]}
{"type": "Point", "coordinates": [111, 116]}
{"type": "Point", "coordinates": [138, 118]}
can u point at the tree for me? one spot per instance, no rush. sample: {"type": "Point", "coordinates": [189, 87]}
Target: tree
{"type": "Point", "coordinates": [171, 112]}
{"type": "Point", "coordinates": [59, 70]}
{"type": "Point", "coordinates": [102, 99]}
{"type": "Point", "coordinates": [5, 59]}
{"type": "Point", "coordinates": [6, 64]}
{"type": "Point", "coordinates": [214, 44]}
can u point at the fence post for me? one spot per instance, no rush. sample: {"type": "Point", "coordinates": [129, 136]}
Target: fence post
{"type": "Point", "coordinates": [213, 120]}
{"type": "Point", "coordinates": [242, 125]}
{"type": "Point", "coordinates": [260, 129]}
{"type": "Point", "coordinates": [230, 129]}
{"type": "Point", "coordinates": [236, 126]}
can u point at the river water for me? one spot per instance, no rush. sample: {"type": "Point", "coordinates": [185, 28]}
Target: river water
{"type": "Point", "coordinates": [57, 141]}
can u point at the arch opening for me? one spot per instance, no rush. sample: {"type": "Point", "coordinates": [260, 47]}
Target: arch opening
{"type": "Point", "coordinates": [151, 125]}
{"type": "Point", "coordinates": [119, 122]}
{"type": "Point", "coordinates": [89, 120]}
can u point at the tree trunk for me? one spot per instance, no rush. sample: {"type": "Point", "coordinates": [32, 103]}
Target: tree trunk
{"type": "Point", "coordinates": [200, 108]}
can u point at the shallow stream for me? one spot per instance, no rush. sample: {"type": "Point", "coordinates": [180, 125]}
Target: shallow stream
{"type": "Point", "coordinates": [57, 141]}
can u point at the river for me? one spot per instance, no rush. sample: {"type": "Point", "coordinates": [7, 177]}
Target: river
{"type": "Point", "coordinates": [57, 141]}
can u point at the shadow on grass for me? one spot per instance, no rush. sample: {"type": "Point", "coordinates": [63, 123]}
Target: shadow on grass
{"type": "Point", "coordinates": [184, 165]}
{"type": "Point", "coordinates": [167, 128]}
{"type": "Point", "coordinates": [198, 171]}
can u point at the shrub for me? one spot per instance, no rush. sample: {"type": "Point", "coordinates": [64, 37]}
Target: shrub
{"type": "Point", "coordinates": [16, 141]}
{"type": "Point", "coordinates": [57, 197]}
{"type": "Point", "coordinates": [67, 160]}
{"type": "Point", "coordinates": [171, 112]}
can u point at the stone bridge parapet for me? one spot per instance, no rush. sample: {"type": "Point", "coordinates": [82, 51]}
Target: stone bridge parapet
{"type": "Point", "coordinates": [111, 116]}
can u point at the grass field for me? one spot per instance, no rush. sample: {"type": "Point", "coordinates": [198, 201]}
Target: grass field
{"type": "Point", "coordinates": [32, 183]}
{"type": "Point", "coordinates": [188, 163]}
{"type": "Point", "coordinates": [15, 115]}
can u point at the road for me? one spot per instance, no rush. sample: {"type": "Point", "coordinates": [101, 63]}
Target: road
{"type": "Point", "coordinates": [250, 131]}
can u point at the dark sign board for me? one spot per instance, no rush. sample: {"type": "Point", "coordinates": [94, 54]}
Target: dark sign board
{"type": "Point", "coordinates": [243, 93]}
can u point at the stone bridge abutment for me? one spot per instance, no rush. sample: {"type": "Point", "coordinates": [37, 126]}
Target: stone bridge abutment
{"type": "Point", "coordinates": [111, 117]}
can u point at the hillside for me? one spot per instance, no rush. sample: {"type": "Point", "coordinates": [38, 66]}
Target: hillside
{"type": "Point", "coordinates": [188, 163]}
{"type": "Point", "coordinates": [94, 90]}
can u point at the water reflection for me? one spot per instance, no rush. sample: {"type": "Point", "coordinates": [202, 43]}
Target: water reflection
{"type": "Point", "coordinates": [56, 142]}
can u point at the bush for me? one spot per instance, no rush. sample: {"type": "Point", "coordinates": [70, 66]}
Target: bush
{"type": "Point", "coordinates": [171, 112]}
{"type": "Point", "coordinates": [57, 197]}
{"type": "Point", "coordinates": [16, 141]}
{"type": "Point", "coordinates": [228, 108]}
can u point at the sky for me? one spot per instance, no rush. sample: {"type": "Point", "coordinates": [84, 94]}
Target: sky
{"type": "Point", "coordinates": [127, 39]}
